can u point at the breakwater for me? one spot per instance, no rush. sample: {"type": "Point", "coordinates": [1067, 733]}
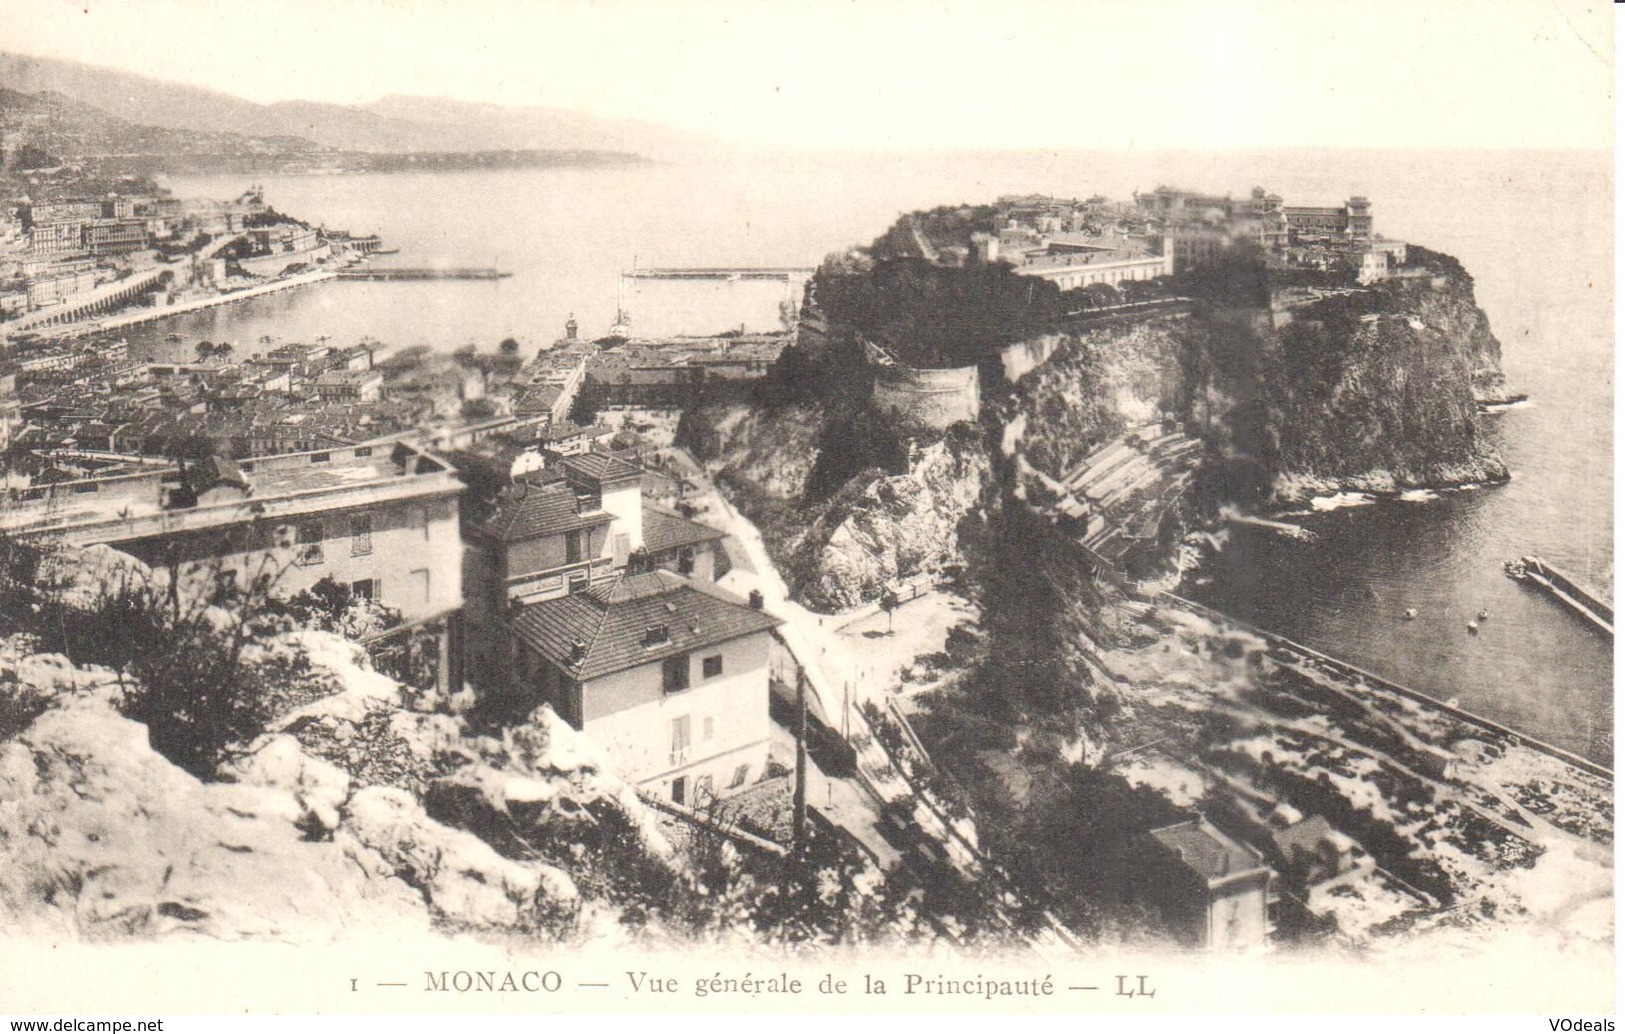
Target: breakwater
{"type": "Point", "coordinates": [424, 273]}
{"type": "Point", "coordinates": [1583, 600]}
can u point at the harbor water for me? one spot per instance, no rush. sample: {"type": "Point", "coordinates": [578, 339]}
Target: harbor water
{"type": "Point", "coordinates": [1534, 229]}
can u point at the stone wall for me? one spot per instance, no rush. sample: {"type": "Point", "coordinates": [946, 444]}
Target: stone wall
{"type": "Point", "coordinates": [935, 398]}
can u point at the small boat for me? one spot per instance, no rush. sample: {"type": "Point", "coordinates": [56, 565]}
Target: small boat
{"type": "Point", "coordinates": [1472, 627]}
{"type": "Point", "coordinates": [1410, 613]}
{"type": "Point", "coordinates": [1483, 615]}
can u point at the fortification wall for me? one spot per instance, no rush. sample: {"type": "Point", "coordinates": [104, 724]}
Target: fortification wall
{"type": "Point", "coordinates": [1023, 357]}
{"type": "Point", "coordinates": [935, 398]}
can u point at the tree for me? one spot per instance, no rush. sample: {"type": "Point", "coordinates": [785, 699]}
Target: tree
{"type": "Point", "coordinates": [508, 346]}
{"type": "Point", "coordinates": [204, 350]}
{"type": "Point", "coordinates": [29, 157]}
{"type": "Point", "coordinates": [888, 603]}
{"type": "Point", "coordinates": [179, 642]}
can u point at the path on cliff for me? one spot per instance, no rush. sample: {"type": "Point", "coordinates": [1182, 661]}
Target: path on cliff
{"type": "Point", "coordinates": [815, 642]}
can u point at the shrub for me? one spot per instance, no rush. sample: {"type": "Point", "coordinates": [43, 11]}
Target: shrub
{"type": "Point", "coordinates": [177, 644]}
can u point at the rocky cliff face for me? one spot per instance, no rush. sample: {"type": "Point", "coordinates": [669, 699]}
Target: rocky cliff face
{"type": "Point", "coordinates": [1379, 392]}
{"type": "Point", "coordinates": [1097, 383]}
{"type": "Point", "coordinates": [839, 523]}
{"type": "Point", "coordinates": [893, 527]}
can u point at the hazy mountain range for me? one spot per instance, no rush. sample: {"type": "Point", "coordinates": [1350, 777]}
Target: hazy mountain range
{"type": "Point", "coordinates": [389, 125]}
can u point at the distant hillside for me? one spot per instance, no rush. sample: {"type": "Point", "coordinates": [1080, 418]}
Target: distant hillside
{"type": "Point", "coordinates": [67, 128]}
{"type": "Point", "coordinates": [393, 124]}
{"type": "Point", "coordinates": [483, 126]}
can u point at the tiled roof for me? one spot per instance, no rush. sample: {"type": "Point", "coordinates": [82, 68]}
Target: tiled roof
{"type": "Point", "coordinates": [613, 622]}
{"type": "Point", "coordinates": [599, 466]}
{"type": "Point", "coordinates": [1206, 851]}
{"type": "Point", "coordinates": [528, 510]}
{"type": "Point", "coordinates": [537, 398]}
{"type": "Point", "coordinates": [664, 530]}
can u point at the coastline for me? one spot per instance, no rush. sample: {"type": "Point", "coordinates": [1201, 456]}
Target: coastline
{"type": "Point", "coordinates": [1293, 493]}
{"type": "Point", "coordinates": [148, 315]}
{"type": "Point", "coordinates": [1358, 674]}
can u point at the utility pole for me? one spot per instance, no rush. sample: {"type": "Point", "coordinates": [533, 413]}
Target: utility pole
{"type": "Point", "coordinates": [799, 807]}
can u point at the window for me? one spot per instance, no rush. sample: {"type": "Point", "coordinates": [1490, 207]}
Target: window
{"type": "Point", "coordinates": [572, 547]}
{"type": "Point", "coordinates": [360, 534]}
{"type": "Point", "coordinates": [421, 577]}
{"type": "Point", "coordinates": [674, 673]}
{"type": "Point", "coordinates": [363, 452]}
{"type": "Point", "coordinates": [704, 791]}
{"type": "Point", "coordinates": [707, 728]}
{"type": "Point", "coordinates": [320, 457]}
{"type": "Point", "coordinates": [579, 583]}
{"type": "Point", "coordinates": [679, 740]}
{"type": "Point", "coordinates": [679, 787]}
{"type": "Point", "coordinates": [711, 667]}
{"type": "Point", "coordinates": [309, 543]}
{"type": "Point", "coordinates": [740, 775]}
{"type": "Point", "coordinates": [366, 589]}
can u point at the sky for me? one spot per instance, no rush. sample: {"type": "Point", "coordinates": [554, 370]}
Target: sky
{"type": "Point", "coordinates": [879, 74]}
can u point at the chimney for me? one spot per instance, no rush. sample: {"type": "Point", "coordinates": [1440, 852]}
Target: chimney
{"type": "Point", "coordinates": [756, 600]}
{"type": "Point", "coordinates": [578, 650]}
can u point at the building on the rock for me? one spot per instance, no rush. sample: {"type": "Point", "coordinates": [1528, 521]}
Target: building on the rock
{"type": "Point", "coordinates": [1352, 219]}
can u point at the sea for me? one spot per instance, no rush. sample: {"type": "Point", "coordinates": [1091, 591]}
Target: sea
{"type": "Point", "coordinates": [1535, 230]}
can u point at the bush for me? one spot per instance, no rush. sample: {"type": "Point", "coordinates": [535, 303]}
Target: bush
{"type": "Point", "coordinates": [176, 643]}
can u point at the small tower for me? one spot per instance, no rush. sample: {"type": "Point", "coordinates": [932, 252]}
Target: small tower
{"type": "Point", "coordinates": [1360, 223]}
{"type": "Point", "coordinates": [570, 328]}
{"type": "Point", "coordinates": [984, 248]}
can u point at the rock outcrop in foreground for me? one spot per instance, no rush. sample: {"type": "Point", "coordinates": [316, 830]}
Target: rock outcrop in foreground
{"type": "Point", "coordinates": [350, 814]}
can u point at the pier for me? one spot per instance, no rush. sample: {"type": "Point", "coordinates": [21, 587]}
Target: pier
{"type": "Point", "coordinates": [423, 273]}
{"type": "Point", "coordinates": [788, 274]}
{"type": "Point", "coordinates": [1578, 597]}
